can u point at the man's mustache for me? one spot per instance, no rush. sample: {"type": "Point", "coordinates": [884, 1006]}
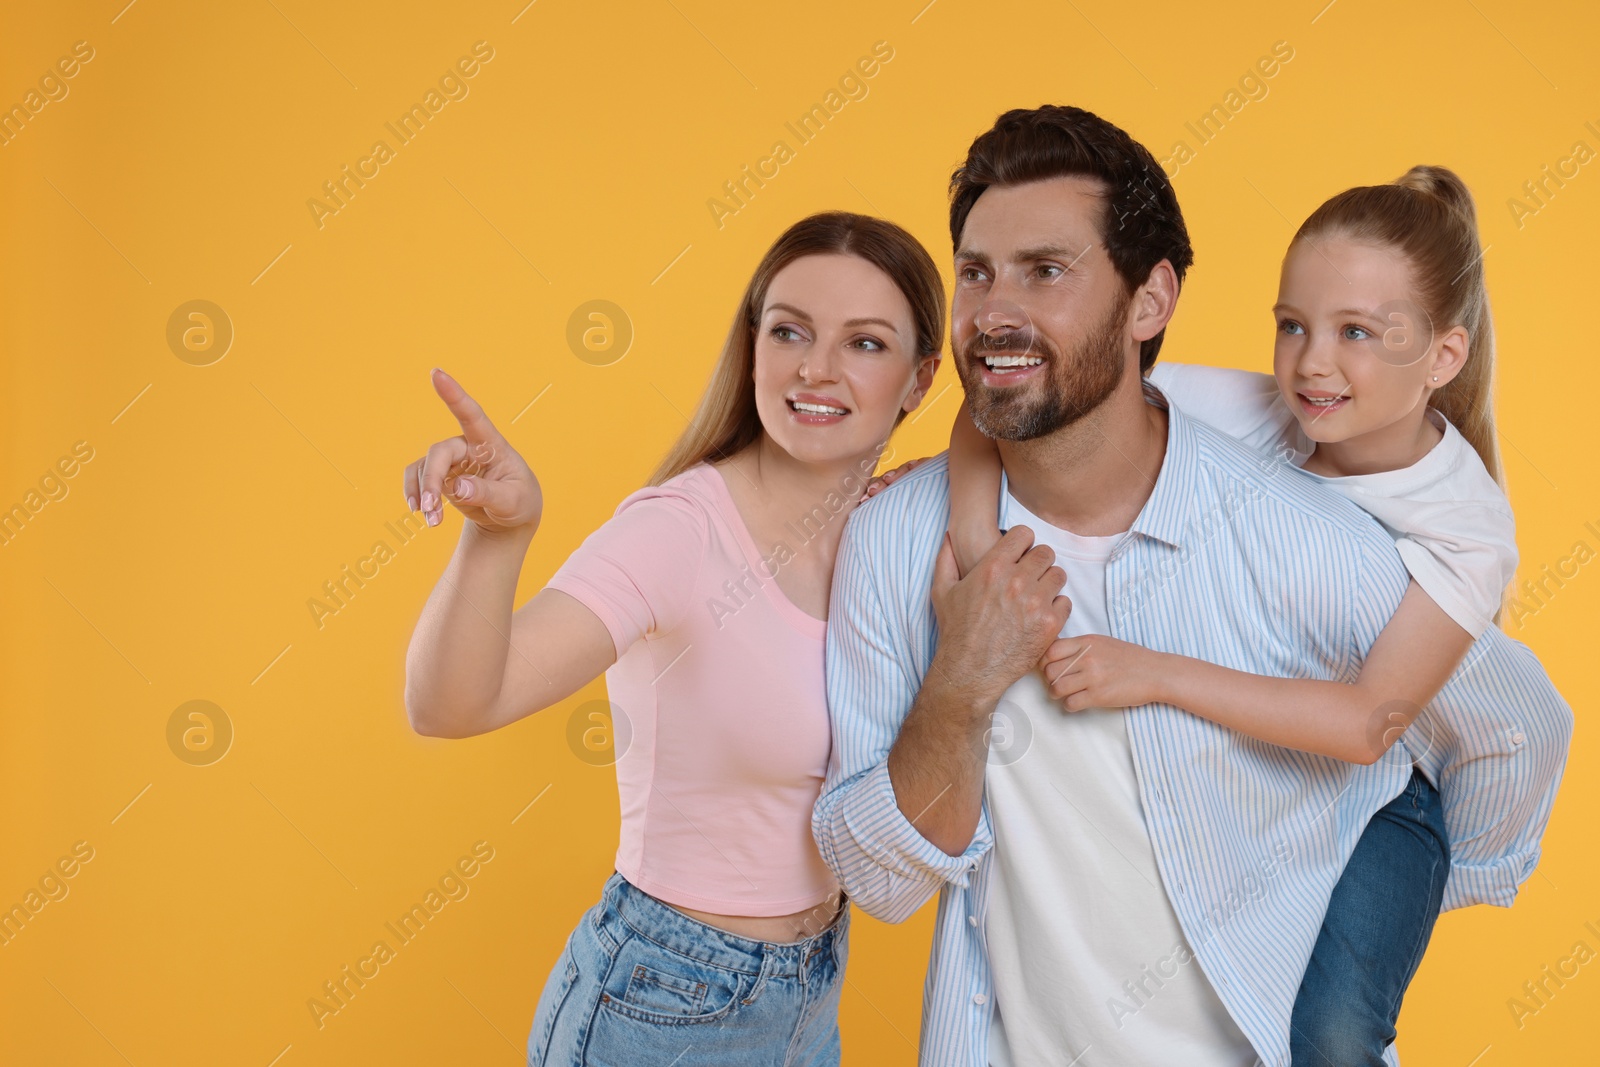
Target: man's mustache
{"type": "Point", "coordinates": [1022, 340]}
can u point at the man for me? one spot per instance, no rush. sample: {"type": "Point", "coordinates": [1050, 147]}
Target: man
{"type": "Point", "coordinates": [1138, 887]}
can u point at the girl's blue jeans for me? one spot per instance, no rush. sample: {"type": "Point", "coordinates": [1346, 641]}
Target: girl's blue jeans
{"type": "Point", "coordinates": [1378, 924]}
{"type": "Point", "coordinates": [640, 983]}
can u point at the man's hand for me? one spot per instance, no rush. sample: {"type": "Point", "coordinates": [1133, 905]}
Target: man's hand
{"type": "Point", "coordinates": [1096, 671]}
{"type": "Point", "coordinates": [996, 623]}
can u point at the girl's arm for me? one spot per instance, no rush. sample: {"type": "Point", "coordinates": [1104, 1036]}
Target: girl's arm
{"type": "Point", "coordinates": [974, 491]}
{"type": "Point", "coordinates": [1358, 721]}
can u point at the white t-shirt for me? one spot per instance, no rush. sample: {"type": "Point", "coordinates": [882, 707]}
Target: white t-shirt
{"type": "Point", "coordinates": [1090, 965]}
{"type": "Point", "coordinates": [1451, 523]}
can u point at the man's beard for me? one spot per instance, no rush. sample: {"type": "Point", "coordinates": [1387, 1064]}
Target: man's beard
{"type": "Point", "coordinates": [1073, 387]}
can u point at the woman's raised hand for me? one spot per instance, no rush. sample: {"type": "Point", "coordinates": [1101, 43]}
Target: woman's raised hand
{"type": "Point", "coordinates": [478, 471]}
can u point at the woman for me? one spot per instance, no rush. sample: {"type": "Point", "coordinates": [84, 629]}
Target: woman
{"type": "Point", "coordinates": [722, 936]}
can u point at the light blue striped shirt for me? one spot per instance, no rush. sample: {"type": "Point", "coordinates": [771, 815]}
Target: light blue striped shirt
{"type": "Point", "coordinates": [1243, 560]}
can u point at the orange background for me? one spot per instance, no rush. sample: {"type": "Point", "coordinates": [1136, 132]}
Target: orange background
{"type": "Point", "coordinates": [176, 564]}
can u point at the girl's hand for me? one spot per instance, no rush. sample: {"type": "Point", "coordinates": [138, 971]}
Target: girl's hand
{"type": "Point", "coordinates": [1096, 671]}
{"type": "Point", "coordinates": [478, 471]}
{"type": "Point", "coordinates": [883, 480]}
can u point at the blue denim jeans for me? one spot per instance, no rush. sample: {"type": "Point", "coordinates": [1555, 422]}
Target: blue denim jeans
{"type": "Point", "coordinates": [1377, 925]}
{"type": "Point", "coordinates": [640, 984]}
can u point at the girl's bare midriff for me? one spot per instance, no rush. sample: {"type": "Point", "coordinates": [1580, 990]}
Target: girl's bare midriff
{"type": "Point", "coordinates": [777, 928]}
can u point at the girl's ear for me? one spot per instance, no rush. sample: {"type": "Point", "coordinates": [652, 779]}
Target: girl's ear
{"type": "Point", "coordinates": [1449, 356]}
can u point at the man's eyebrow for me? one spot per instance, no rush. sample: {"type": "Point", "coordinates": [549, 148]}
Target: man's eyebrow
{"type": "Point", "coordinates": [1049, 251]}
{"type": "Point", "coordinates": [852, 323]}
{"type": "Point", "coordinates": [1025, 255]}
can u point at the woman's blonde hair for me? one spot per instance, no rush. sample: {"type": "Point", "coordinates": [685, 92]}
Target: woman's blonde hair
{"type": "Point", "coordinates": [1427, 214]}
{"type": "Point", "coordinates": [726, 420]}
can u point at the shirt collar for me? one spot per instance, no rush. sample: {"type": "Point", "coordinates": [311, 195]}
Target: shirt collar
{"type": "Point", "coordinates": [1166, 514]}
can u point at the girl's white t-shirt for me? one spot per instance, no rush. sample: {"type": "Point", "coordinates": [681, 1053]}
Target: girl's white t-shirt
{"type": "Point", "coordinates": [1451, 523]}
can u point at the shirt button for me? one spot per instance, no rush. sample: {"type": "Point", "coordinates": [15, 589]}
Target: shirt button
{"type": "Point", "coordinates": [979, 998]}
{"type": "Point", "coordinates": [1517, 737]}
{"type": "Point", "coordinates": [972, 920]}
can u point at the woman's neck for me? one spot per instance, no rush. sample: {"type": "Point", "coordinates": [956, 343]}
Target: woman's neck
{"type": "Point", "coordinates": [1389, 448]}
{"type": "Point", "coordinates": [779, 492]}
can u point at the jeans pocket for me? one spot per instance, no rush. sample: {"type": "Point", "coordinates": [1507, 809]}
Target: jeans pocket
{"type": "Point", "coordinates": [650, 983]}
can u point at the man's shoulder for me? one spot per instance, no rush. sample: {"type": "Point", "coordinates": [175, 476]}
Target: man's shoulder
{"type": "Point", "coordinates": [1271, 489]}
{"type": "Point", "coordinates": [915, 508]}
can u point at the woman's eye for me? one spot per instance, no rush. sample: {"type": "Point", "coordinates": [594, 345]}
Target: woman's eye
{"type": "Point", "coordinates": [872, 344]}
{"type": "Point", "coordinates": [1361, 332]}
{"type": "Point", "coordinates": [1288, 326]}
{"type": "Point", "coordinates": [779, 332]}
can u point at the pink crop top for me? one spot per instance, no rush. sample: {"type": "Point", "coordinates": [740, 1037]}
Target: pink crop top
{"type": "Point", "coordinates": [720, 678]}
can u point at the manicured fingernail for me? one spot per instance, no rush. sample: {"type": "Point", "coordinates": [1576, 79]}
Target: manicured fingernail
{"type": "Point", "coordinates": [411, 502]}
{"type": "Point", "coordinates": [464, 488]}
{"type": "Point", "coordinates": [433, 518]}
{"type": "Point", "coordinates": [429, 501]}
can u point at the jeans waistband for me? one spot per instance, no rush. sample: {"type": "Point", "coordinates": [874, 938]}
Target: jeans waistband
{"type": "Point", "coordinates": [670, 928]}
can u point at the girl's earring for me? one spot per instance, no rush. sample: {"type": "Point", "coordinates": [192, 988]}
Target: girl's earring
{"type": "Point", "coordinates": [1435, 377]}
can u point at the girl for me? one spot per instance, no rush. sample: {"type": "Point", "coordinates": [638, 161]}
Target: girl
{"type": "Point", "coordinates": [721, 936]}
{"type": "Point", "coordinates": [1383, 361]}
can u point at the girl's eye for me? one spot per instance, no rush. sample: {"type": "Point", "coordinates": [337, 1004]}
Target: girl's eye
{"type": "Point", "coordinates": [1288, 326]}
{"type": "Point", "coordinates": [1362, 331]}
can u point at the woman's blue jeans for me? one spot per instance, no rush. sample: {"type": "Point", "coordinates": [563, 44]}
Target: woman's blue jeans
{"type": "Point", "coordinates": [1378, 924]}
{"type": "Point", "coordinates": [640, 984]}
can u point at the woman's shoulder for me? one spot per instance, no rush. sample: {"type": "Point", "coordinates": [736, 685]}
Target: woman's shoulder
{"type": "Point", "coordinates": [683, 508]}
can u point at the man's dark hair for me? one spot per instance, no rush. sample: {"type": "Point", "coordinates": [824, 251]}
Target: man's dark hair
{"type": "Point", "coordinates": [1141, 225]}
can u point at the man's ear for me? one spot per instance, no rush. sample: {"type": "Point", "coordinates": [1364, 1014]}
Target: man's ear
{"type": "Point", "coordinates": [927, 367]}
{"type": "Point", "coordinates": [1152, 304]}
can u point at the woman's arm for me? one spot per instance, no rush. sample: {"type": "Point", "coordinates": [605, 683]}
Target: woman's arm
{"type": "Point", "coordinates": [472, 666]}
{"type": "Point", "coordinates": [1358, 721]}
{"type": "Point", "coordinates": [974, 491]}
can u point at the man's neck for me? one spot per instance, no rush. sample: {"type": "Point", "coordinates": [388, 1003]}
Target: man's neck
{"type": "Point", "coordinates": [1094, 476]}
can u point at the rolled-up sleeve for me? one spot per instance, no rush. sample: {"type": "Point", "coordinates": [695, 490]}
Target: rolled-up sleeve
{"type": "Point", "coordinates": [1495, 740]}
{"type": "Point", "coordinates": [878, 648]}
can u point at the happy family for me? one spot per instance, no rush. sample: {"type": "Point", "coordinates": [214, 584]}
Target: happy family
{"type": "Point", "coordinates": [1181, 686]}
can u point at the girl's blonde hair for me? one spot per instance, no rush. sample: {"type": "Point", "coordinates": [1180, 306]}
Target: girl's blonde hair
{"type": "Point", "coordinates": [726, 420]}
{"type": "Point", "coordinates": [1428, 215]}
